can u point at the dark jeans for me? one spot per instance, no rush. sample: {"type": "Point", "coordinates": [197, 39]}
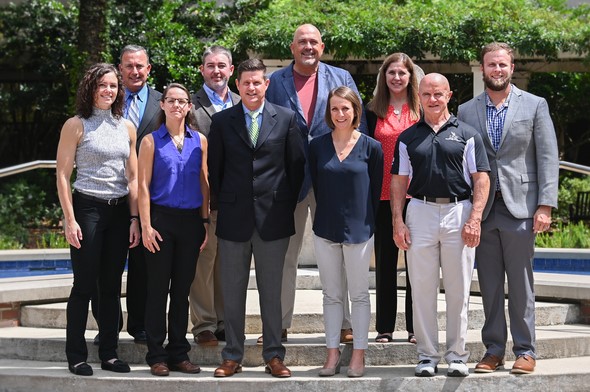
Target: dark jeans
{"type": "Point", "coordinates": [171, 270]}
{"type": "Point", "coordinates": [97, 267]}
{"type": "Point", "coordinates": [386, 274]}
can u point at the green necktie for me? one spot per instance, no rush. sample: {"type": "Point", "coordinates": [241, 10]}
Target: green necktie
{"type": "Point", "coordinates": [253, 130]}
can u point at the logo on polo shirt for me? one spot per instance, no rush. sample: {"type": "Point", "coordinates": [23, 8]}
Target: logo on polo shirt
{"type": "Point", "coordinates": [453, 137]}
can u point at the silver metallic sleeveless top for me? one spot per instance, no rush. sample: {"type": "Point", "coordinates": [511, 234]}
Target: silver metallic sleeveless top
{"type": "Point", "coordinates": [101, 156]}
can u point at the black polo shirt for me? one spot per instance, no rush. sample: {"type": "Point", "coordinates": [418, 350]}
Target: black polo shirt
{"type": "Point", "coordinates": [440, 164]}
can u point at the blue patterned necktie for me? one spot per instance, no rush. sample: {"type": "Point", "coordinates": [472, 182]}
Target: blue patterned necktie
{"type": "Point", "coordinates": [133, 110]}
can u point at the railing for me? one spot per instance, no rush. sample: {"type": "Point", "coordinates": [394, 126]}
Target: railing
{"type": "Point", "coordinates": [23, 167]}
{"type": "Point", "coordinates": [574, 167]}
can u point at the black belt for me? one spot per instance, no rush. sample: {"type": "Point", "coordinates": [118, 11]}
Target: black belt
{"type": "Point", "coordinates": [441, 200]}
{"type": "Point", "coordinates": [110, 202]}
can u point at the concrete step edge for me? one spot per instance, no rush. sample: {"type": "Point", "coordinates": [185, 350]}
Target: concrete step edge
{"type": "Point", "coordinates": [571, 374]}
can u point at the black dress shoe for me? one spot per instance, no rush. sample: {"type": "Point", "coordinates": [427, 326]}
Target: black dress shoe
{"type": "Point", "coordinates": [140, 337]}
{"type": "Point", "coordinates": [118, 366]}
{"type": "Point", "coordinates": [220, 335]}
{"type": "Point", "coordinates": [82, 369]}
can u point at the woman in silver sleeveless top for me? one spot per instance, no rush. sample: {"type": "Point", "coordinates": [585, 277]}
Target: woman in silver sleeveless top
{"type": "Point", "coordinates": [100, 214]}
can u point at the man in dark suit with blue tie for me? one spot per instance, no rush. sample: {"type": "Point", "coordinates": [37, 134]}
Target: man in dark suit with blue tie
{"type": "Point", "coordinates": [256, 168]}
{"type": "Point", "coordinates": [135, 68]}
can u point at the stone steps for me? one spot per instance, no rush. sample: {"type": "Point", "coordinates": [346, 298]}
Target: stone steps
{"type": "Point", "coordinates": [308, 316]}
{"type": "Point", "coordinates": [48, 344]}
{"type": "Point", "coordinates": [564, 374]}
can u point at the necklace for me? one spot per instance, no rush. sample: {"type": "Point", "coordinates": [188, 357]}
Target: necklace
{"type": "Point", "coordinates": [179, 143]}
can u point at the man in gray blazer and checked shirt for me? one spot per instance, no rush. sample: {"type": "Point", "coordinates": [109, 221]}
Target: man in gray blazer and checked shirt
{"type": "Point", "coordinates": [522, 150]}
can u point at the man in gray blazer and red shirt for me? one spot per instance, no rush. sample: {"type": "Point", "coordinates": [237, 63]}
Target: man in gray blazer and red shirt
{"type": "Point", "coordinates": [256, 163]}
{"type": "Point", "coordinates": [303, 86]}
{"type": "Point", "coordinates": [205, 298]}
{"type": "Point", "coordinates": [522, 149]}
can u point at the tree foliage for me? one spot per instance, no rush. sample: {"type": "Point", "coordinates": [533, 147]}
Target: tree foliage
{"type": "Point", "coordinates": [42, 57]}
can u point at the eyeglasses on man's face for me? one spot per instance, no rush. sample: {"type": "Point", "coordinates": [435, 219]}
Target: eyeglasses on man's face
{"type": "Point", "coordinates": [182, 102]}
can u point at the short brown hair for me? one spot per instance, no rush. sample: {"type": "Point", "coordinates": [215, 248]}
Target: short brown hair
{"type": "Point", "coordinates": [352, 97]}
{"type": "Point", "coordinates": [495, 46]}
{"type": "Point", "coordinates": [251, 65]}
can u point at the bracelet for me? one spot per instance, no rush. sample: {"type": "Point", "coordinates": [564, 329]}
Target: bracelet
{"type": "Point", "coordinates": [206, 220]}
{"type": "Point", "coordinates": [134, 218]}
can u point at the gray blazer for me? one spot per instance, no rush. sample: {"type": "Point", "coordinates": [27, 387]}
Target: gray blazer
{"type": "Point", "coordinates": [204, 110]}
{"type": "Point", "coordinates": [526, 162]}
{"type": "Point", "coordinates": [151, 116]}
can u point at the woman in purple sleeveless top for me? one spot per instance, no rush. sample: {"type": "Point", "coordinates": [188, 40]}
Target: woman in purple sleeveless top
{"type": "Point", "coordinates": [174, 213]}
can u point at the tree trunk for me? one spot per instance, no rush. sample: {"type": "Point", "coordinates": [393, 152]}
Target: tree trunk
{"type": "Point", "coordinates": [92, 29]}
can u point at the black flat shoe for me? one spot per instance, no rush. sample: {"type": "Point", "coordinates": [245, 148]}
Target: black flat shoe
{"type": "Point", "coordinates": [118, 366]}
{"type": "Point", "coordinates": [82, 369]}
{"type": "Point", "coordinates": [140, 337]}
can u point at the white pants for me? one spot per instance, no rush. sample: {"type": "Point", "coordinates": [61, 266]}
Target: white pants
{"type": "Point", "coordinates": [339, 265]}
{"type": "Point", "coordinates": [435, 232]}
{"type": "Point", "coordinates": [289, 285]}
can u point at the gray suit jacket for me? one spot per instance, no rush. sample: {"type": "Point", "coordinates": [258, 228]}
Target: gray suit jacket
{"type": "Point", "coordinates": [526, 162]}
{"type": "Point", "coordinates": [204, 110]}
{"type": "Point", "coordinates": [151, 116]}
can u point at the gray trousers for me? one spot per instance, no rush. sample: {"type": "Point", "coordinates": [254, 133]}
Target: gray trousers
{"type": "Point", "coordinates": [506, 249]}
{"type": "Point", "coordinates": [235, 258]}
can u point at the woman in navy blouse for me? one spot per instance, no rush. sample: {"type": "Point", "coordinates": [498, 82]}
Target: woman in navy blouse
{"type": "Point", "coordinates": [174, 212]}
{"type": "Point", "coordinates": [347, 171]}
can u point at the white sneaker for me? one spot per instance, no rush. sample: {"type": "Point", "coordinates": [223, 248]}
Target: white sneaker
{"type": "Point", "coordinates": [426, 368]}
{"type": "Point", "coordinates": [458, 369]}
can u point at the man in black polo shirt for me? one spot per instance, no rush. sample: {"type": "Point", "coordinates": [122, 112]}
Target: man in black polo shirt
{"type": "Point", "coordinates": [445, 163]}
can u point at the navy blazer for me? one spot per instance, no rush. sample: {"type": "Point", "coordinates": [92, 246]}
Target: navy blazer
{"type": "Point", "coordinates": [256, 187]}
{"type": "Point", "coordinates": [281, 91]}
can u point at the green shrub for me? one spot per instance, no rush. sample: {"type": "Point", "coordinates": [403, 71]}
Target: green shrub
{"type": "Point", "coordinates": [7, 243]}
{"type": "Point", "coordinates": [51, 239]}
{"type": "Point", "coordinates": [569, 186]}
{"type": "Point", "coordinates": [565, 236]}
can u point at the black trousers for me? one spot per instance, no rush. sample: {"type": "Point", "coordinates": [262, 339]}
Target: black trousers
{"type": "Point", "coordinates": [97, 267]}
{"type": "Point", "coordinates": [171, 270]}
{"type": "Point", "coordinates": [386, 274]}
{"type": "Point", "coordinates": [136, 290]}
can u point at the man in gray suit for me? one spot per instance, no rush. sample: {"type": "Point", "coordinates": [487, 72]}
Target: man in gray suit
{"type": "Point", "coordinates": [522, 150]}
{"type": "Point", "coordinates": [206, 301]}
{"type": "Point", "coordinates": [135, 68]}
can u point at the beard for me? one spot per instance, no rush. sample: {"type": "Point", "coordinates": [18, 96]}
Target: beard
{"type": "Point", "coordinates": [497, 84]}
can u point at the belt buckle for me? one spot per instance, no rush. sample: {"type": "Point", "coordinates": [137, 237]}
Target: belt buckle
{"type": "Point", "coordinates": [112, 202]}
{"type": "Point", "coordinates": [442, 200]}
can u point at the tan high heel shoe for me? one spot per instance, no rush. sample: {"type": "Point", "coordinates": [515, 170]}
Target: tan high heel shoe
{"type": "Point", "coordinates": [329, 372]}
{"type": "Point", "coordinates": [356, 372]}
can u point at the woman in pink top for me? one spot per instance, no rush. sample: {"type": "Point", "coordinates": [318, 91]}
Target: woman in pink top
{"type": "Point", "coordinates": [394, 108]}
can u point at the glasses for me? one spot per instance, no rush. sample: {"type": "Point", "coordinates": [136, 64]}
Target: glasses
{"type": "Point", "coordinates": [182, 102]}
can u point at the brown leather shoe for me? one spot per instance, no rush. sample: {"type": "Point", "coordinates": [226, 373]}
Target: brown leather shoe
{"type": "Point", "coordinates": [206, 338]}
{"type": "Point", "coordinates": [260, 339]}
{"type": "Point", "coordinates": [524, 364]}
{"type": "Point", "coordinates": [489, 363]}
{"type": "Point", "coordinates": [228, 368]}
{"type": "Point", "coordinates": [346, 335]}
{"type": "Point", "coordinates": [160, 369]}
{"type": "Point", "coordinates": [277, 368]}
{"type": "Point", "coordinates": [185, 367]}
